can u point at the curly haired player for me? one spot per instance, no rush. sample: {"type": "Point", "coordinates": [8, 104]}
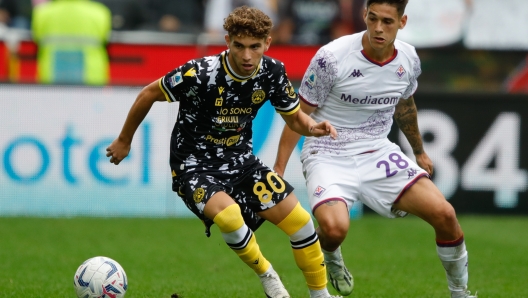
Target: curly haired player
{"type": "Point", "coordinates": [213, 167]}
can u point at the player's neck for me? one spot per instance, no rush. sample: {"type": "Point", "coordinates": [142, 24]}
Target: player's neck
{"type": "Point", "coordinates": [231, 65]}
{"type": "Point", "coordinates": [377, 55]}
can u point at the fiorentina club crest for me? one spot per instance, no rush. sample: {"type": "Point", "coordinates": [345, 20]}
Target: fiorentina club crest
{"type": "Point", "coordinates": [318, 191]}
{"type": "Point", "coordinates": [400, 72]}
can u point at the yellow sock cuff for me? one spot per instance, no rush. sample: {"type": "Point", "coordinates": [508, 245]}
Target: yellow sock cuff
{"type": "Point", "coordinates": [230, 219]}
{"type": "Point", "coordinates": [310, 258]}
{"type": "Point", "coordinates": [316, 280]}
{"type": "Point", "coordinates": [252, 256]}
{"type": "Point", "coordinates": [297, 219]}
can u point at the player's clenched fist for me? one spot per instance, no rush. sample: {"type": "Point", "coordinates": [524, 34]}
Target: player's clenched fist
{"type": "Point", "coordinates": [117, 151]}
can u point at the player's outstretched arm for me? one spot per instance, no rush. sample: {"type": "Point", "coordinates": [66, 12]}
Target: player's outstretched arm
{"type": "Point", "coordinates": [406, 116]}
{"type": "Point", "coordinates": [120, 147]}
{"type": "Point", "coordinates": [296, 125]}
{"type": "Point", "coordinates": [303, 124]}
{"type": "Point", "coordinates": [287, 142]}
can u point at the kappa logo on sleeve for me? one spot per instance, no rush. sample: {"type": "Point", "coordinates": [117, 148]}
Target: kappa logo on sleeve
{"type": "Point", "coordinates": [319, 191]}
{"type": "Point", "coordinates": [175, 79]}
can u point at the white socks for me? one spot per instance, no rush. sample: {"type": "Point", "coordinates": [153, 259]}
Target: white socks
{"type": "Point", "coordinates": [333, 255]}
{"type": "Point", "coordinates": [319, 293]}
{"type": "Point", "coordinates": [455, 261]}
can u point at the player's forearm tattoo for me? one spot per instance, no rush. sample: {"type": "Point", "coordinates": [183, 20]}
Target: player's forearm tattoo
{"type": "Point", "coordinates": [406, 117]}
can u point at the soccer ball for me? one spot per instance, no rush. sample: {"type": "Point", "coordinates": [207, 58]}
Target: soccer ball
{"type": "Point", "coordinates": [100, 277]}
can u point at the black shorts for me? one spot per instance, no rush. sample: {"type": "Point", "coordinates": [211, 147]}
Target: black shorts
{"type": "Point", "coordinates": [254, 188]}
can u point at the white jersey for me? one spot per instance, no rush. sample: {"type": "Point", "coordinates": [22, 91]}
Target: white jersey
{"type": "Point", "coordinates": [356, 94]}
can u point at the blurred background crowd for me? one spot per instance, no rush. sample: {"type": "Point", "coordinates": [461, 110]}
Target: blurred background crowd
{"type": "Point", "coordinates": [481, 44]}
{"type": "Point", "coordinates": [296, 21]}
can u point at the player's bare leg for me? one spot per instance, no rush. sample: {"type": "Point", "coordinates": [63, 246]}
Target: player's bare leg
{"type": "Point", "coordinates": [334, 220]}
{"type": "Point", "coordinates": [227, 216]}
{"type": "Point", "coordinates": [425, 200]}
{"type": "Point", "coordinates": [297, 223]}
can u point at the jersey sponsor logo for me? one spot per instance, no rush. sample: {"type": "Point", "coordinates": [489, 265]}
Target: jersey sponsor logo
{"type": "Point", "coordinates": [223, 141]}
{"type": "Point", "coordinates": [229, 119]}
{"type": "Point", "coordinates": [319, 191]}
{"type": "Point", "coordinates": [226, 119]}
{"type": "Point", "coordinates": [400, 72]}
{"type": "Point", "coordinates": [370, 100]}
{"type": "Point", "coordinates": [198, 195]}
{"type": "Point", "coordinates": [190, 73]}
{"type": "Point", "coordinates": [236, 111]}
{"type": "Point", "coordinates": [175, 79]}
{"type": "Point", "coordinates": [258, 96]}
{"type": "Point", "coordinates": [311, 79]}
{"type": "Point", "coordinates": [356, 73]}
{"type": "Point", "coordinates": [229, 126]}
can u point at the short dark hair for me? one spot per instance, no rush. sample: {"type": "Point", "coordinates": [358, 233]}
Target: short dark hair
{"type": "Point", "coordinates": [248, 21]}
{"type": "Point", "coordinates": [399, 4]}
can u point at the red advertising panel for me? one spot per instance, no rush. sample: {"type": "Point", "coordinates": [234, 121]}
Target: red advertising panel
{"type": "Point", "coordinates": [27, 63]}
{"type": "Point", "coordinates": [134, 64]}
{"type": "Point", "coordinates": [3, 62]}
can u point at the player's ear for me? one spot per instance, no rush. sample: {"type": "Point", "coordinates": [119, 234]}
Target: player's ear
{"type": "Point", "coordinates": [227, 40]}
{"type": "Point", "coordinates": [403, 21]}
{"type": "Point", "coordinates": [267, 44]}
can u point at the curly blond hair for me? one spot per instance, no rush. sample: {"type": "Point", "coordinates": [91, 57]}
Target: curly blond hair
{"type": "Point", "coordinates": [248, 21]}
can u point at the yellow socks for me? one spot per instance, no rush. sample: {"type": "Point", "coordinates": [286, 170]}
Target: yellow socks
{"type": "Point", "coordinates": [240, 238]}
{"type": "Point", "coordinates": [298, 225]}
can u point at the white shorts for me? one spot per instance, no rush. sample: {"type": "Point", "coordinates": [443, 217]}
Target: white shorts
{"type": "Point", "coordinates": [378, 179]}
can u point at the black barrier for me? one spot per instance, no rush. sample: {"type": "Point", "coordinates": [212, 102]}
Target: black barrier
{"type": "Point", "coordinates": [479, 145]}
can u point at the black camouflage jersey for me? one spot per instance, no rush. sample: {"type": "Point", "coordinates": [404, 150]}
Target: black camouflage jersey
{"type": "Point", "coordinates": [213, 131]}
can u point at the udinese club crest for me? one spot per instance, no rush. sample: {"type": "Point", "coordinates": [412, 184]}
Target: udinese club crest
{"type": "Point", "coordinates": [258, 96]}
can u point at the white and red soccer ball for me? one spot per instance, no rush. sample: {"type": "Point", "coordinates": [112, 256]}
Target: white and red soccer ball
{"type": "Point", "coordinates": [100, 277]}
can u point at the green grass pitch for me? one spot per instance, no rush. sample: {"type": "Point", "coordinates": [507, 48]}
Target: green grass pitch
{"type": "Point", "coordinates": [388, 257]}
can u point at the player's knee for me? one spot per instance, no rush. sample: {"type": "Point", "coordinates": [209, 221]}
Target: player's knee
{"type": "Point", "coordinates": [304, 241]}
{"type": "Point", "coordinates": [332, 236]}
{"type": "Point", "coordinates": [332, 231]}
{"type": "Point", "coordinates": [445, 220]}
{"type": "Point", "coordinates": [230, 219]}
{"type": "Point", "coordinates": [447, 214]}
{"type": "Point", "coordinates": [298, 220]}
{"type": "Point", "coordinates": [298, 225]}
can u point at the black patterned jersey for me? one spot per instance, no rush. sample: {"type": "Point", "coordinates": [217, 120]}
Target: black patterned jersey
{"type": "Point", "coordinates": [214, 125]}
